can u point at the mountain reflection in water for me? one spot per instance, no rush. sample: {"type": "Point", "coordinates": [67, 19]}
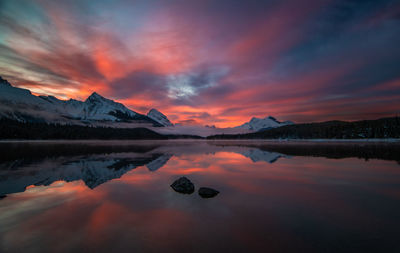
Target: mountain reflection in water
{"type": "Point", "coordinates": [94, 167]}
{"type": "Point", "coordinates": [25, 164]}
{"type": "Point", "coordinates": [275, 197]}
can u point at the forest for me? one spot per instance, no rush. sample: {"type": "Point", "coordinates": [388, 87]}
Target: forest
{"type": "Point", "coordinates": [365, 129]}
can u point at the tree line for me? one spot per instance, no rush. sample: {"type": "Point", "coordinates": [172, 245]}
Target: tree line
{"type": "Point", "coordinates": [365, 129]}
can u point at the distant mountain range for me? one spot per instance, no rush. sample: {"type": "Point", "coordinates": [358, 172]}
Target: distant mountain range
{"type": "Point", "coordinates": [365, 129]}
{"type": "Point", "coordinates": [21, 105]}
{"type": "Point", "coordinates": [257, 124]}
{"type": "Point", "coordinates": [26, 116]}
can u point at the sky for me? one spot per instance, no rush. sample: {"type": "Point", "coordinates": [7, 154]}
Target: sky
{"type": "Point", "coordinates": [210, 62]}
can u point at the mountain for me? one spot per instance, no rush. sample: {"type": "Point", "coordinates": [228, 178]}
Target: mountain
{"type": "Point", "coordinates": [156, 115]}
{"type": "Point", "coordinates": [4, 82]}
{"type": "Point", "coordinates": [21, 105]}
{"type": "Point", "coordinates": [364, 129]}
{"type": "Point", "coordinates": [257, 124]}
{"type": "Point", "coordinates": [97, 107]}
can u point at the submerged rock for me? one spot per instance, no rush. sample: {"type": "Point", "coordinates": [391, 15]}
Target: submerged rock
{"type": "Point", "coordinates": [3, 196]}
{"type": "Point", "coordinates": [183, 185]}
{"type": "Point", "coordinates": [205, 192]}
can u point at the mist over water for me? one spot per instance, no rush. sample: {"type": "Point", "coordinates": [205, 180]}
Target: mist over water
{"type": "Point", "coordinates": [116, 197]}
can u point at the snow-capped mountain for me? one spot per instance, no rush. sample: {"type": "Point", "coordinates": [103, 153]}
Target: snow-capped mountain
{"type": "Point", "coordinates": [97, 107]}
{"type": "Point", "coordinates": [20, 104]}
{"type": "Point", "coordinates": [257, 124]}
{"type": "Point", "coordinates": [154, 114]}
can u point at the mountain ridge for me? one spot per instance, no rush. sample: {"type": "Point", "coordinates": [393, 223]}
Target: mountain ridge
{"type": "Point", "coordinates": [159, 117]}
{"type": "Point", "coordinates": [382, 128]}
{"type": "Point", "coordinates": [21, 105]}
{"type": "Point", "coordinates": [259, 124]}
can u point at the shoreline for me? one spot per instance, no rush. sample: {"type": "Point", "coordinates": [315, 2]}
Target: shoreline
{"type": "Point", "coordinates": [281, 141]}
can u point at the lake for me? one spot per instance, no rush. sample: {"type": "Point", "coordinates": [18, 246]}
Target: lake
{"type": "Point", "coordinates": [115, 196]}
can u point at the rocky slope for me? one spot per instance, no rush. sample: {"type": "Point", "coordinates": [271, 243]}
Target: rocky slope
{"type": "Point", "coordinates": [155, 115]}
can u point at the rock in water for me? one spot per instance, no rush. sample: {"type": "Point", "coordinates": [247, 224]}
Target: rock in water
{"type": "Point", "coordinates": [205, 192]}
{"type": "Point", "coordinates": [3, 196]}
{"type": "Point", "coordinates": [183, 185]}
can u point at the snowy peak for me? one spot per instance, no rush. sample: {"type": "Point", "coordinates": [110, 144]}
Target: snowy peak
{"type": "Point", "coordinates": [269, 119]}
{"type": "Point", "coordinates": [13, 95]}
{"type": "Point", "coordinates": [20, 104]}
{"type": "Point", "coordinates": [257, 124]}
{"type": "Point", "coordinates": [97, 107]}
{"type": "Point", "coordinates": [96, 97]}
{"type": "Point", "coordinates": [159, 117]}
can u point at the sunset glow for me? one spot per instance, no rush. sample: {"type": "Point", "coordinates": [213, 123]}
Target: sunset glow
{"type": "Point", "coordinates": [210, 62]}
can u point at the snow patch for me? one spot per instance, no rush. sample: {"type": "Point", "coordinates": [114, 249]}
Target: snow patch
{"type": "Point", "coordinates": [257, 124]}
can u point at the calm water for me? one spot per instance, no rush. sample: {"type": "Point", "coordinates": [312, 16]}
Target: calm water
{"type": "Point", "coordinates": [116, 197]}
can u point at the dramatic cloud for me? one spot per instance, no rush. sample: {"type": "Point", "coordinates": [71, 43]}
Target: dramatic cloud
{"type": "Point", "coordinates": [210, 62]}
{"type": "Point", "coordinates": [189, 84]}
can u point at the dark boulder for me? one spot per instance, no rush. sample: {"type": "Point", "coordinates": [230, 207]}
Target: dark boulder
{"type": "Point", "coordinates": [205, 192]}
{"type": "Point", "coordinates": [3, 196]}
{"type": "Point", "coordinates": [183, 185]}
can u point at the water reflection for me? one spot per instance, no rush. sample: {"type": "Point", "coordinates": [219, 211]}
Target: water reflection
{"type": "Point", "coordinates": [92, 170]}
{"type": "Point", "coordinates": [110, 197]}
{"type": "Point", "coordinates": [94, 164]}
